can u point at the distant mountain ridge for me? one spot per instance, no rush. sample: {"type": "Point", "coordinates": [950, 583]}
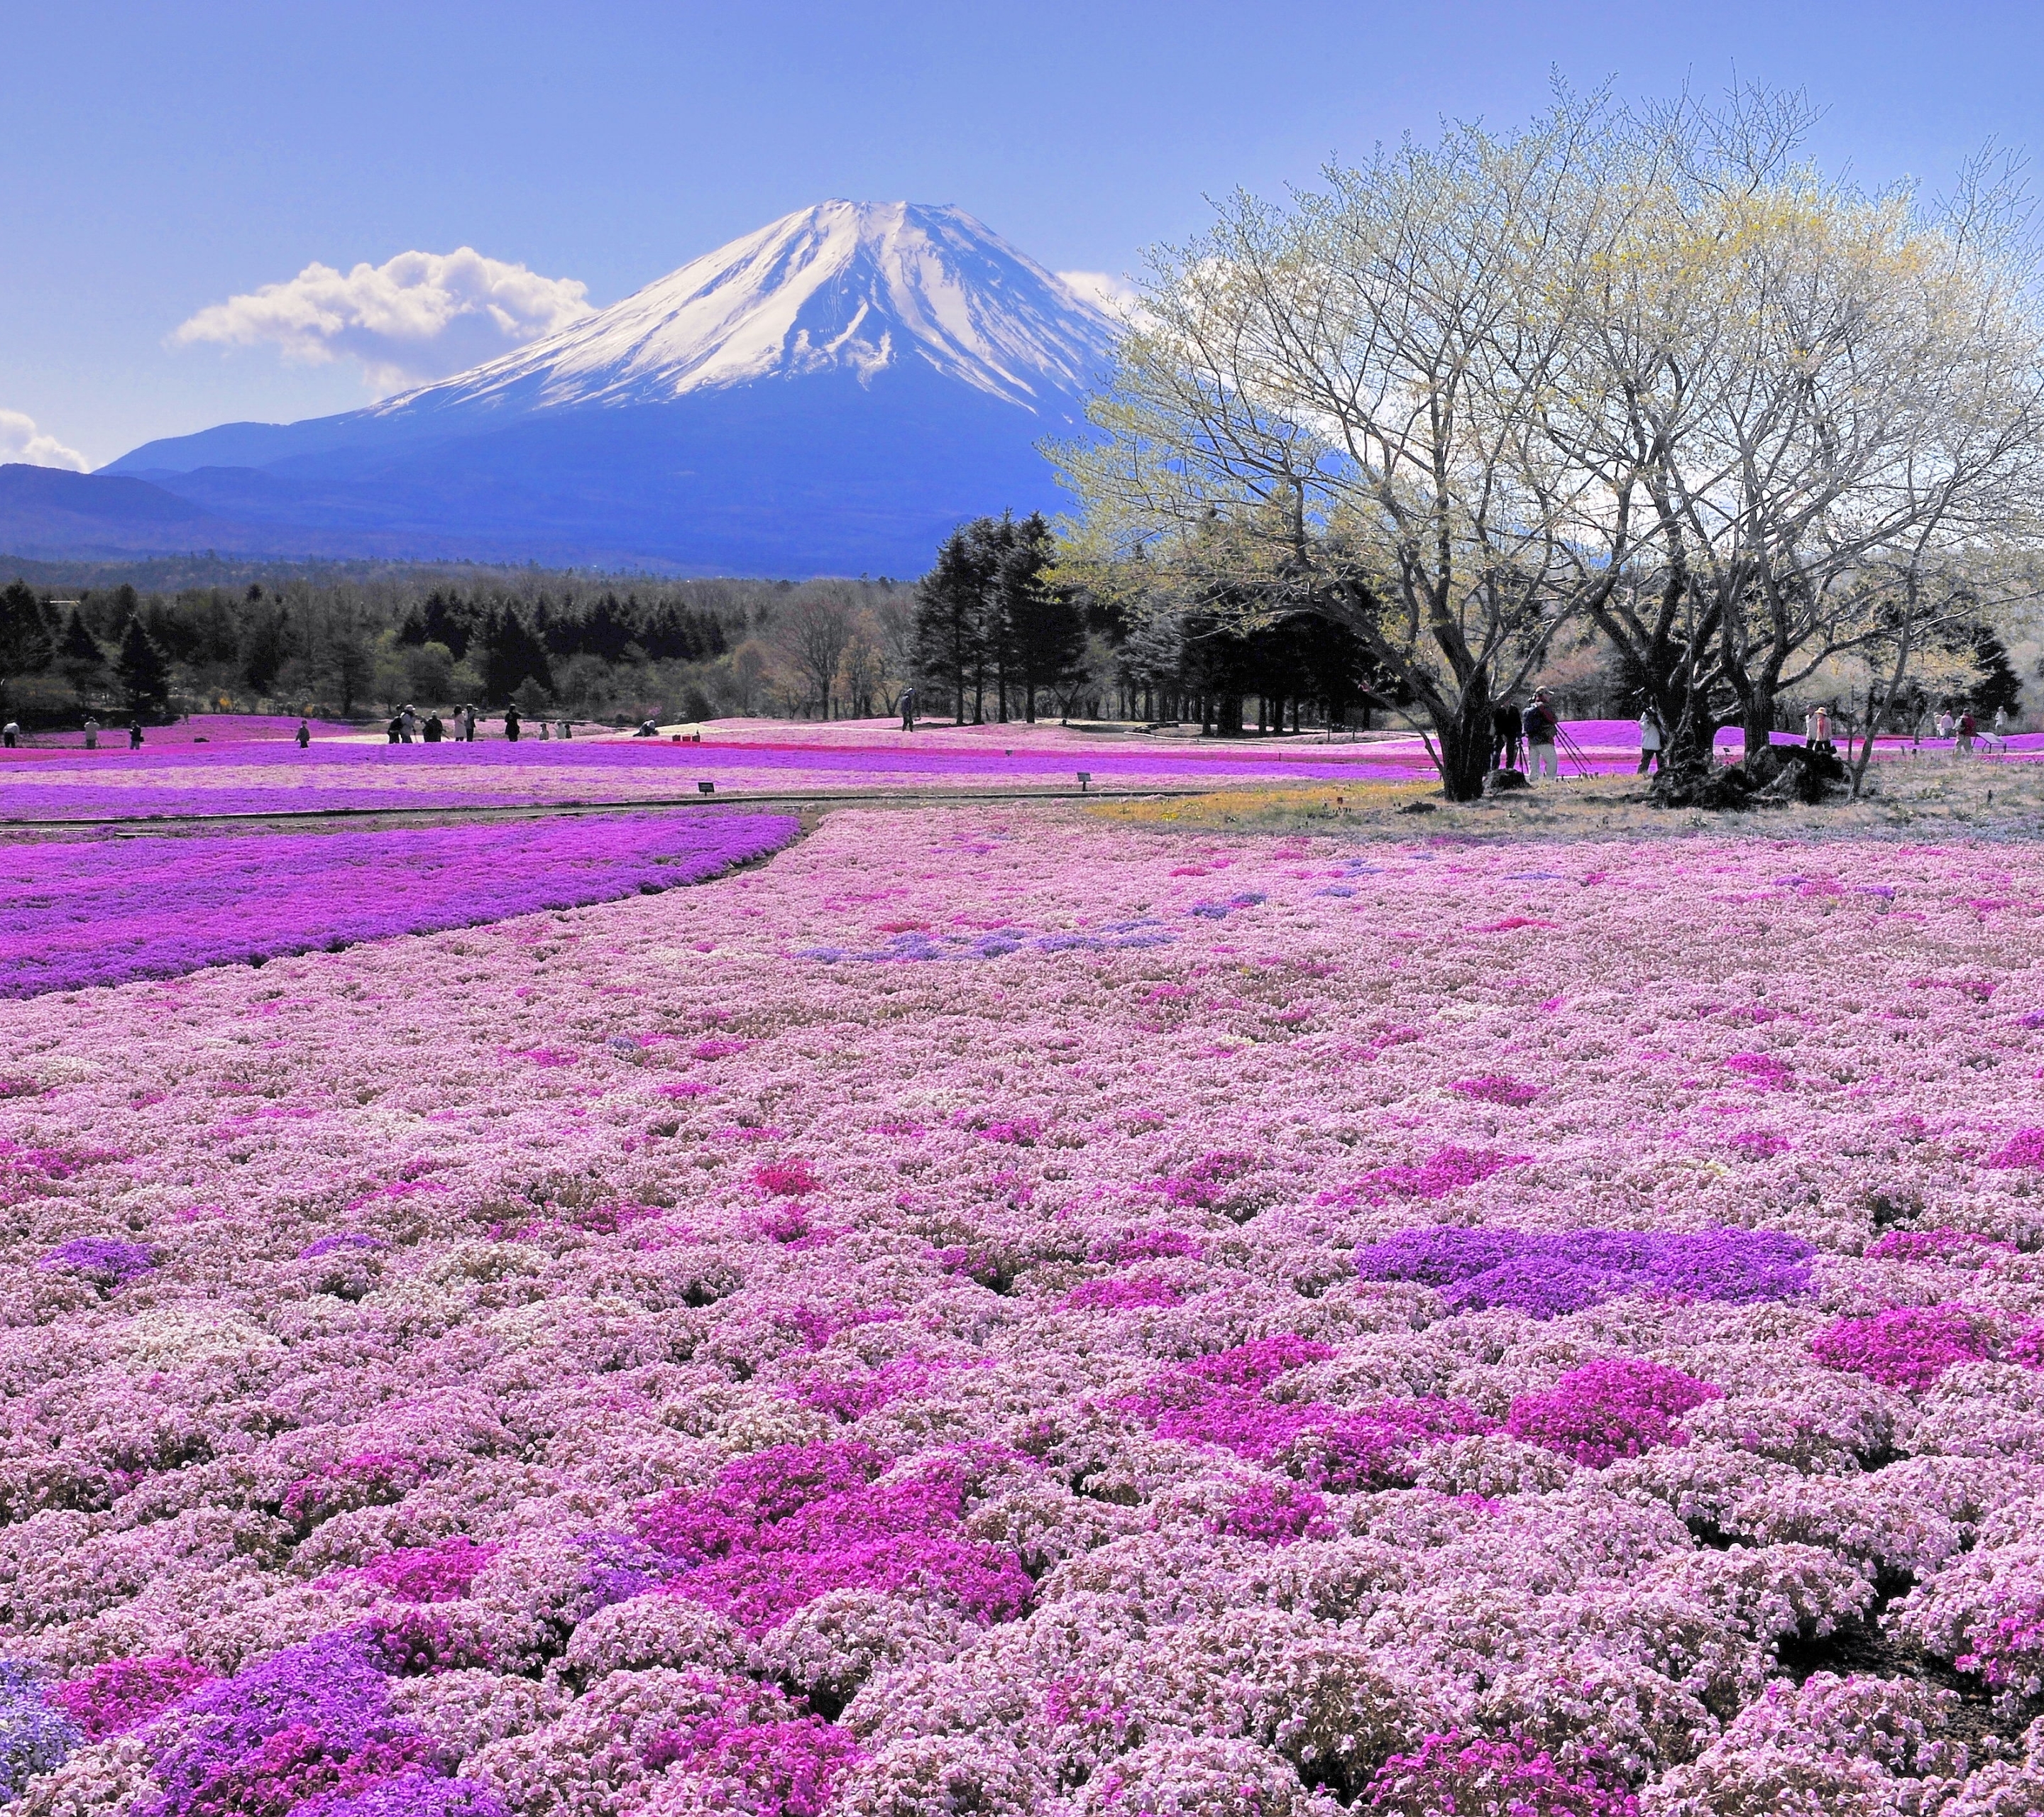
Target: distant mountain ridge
{"type": "Point", "coordinates": [829, 395]}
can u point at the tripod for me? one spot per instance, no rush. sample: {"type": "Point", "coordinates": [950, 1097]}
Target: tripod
{"type": "Point", "coordinates": [1571, 750]}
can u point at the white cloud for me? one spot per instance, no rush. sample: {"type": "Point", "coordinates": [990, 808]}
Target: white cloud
{"type": "Point", "coordinates": [21, 441]}
{"type": "Point", "coordinates": [1102, 289]}
{"type": "Point", "coordinates": [419, 315]}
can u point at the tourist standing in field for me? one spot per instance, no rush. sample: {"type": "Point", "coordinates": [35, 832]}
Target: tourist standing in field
{"type": "Point", "coordinates": [1541, 726]}
{"type": "Point", "coordinates": [1944, 722]}
{"type": "Point", "coordinates": [304, 733]}
{"type": "Point", "coordinates": [1968, 730]}
{"type": "Point", "coordinates": [1817, 730]}
{"type": "Point", "coordinates": [12, 732]}
{"type": "Point", "coordinates": [907, 703]}
{"type": "Point", "coordinates": [134, 734]}
{"type": "Point", "coordinates": [435, 730]}
{"type": "Point", "coordinates": [467, 719]}
{"type": "Point", "coordinates": [511, 724]}
{"type": "Point", "coordinates": [92, 735]}
{"type": "Point", "coordinates": [1653, 734]}
{"type": "Point", "coordinates": [1504, 733]}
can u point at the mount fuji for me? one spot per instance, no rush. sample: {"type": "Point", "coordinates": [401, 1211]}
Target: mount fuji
{"type": "Point", "coordinates": [830, 394]}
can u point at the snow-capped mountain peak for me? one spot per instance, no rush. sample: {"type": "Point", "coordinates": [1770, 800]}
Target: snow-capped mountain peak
{"type": "Point", "coordinates": [855, 287]}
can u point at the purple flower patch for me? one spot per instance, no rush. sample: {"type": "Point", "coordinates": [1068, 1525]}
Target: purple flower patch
{"type": "Point", "coordinates": [103, 1261]}
{"type": "Point", "coordinates": [1550, 1275]}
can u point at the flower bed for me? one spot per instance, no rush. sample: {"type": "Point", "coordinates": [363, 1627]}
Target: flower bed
{"type": "Point", "coordinates": [78, 912]}
{"type": "Point", "coordinates": [637, 1360]}
{"type": "Point", "coordinates": [258, 778]}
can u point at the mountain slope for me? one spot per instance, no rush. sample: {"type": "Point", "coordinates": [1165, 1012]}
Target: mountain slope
{"type": "Point", "coordinates": [830, 393]}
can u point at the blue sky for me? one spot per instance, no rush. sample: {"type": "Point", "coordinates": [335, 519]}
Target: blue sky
{"type": "Point", "coordinates": [157, 160]}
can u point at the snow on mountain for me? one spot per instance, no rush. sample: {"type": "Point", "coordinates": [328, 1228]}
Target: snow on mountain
{"type": "Point", "coordinates": [829, 394]}
{"type": "Point", "coordinates": [858, 287]}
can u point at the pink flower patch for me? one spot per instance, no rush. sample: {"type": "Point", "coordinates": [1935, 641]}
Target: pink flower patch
{"type": "Point", "coordinates": [1118, 1295]}
{"type": "Point", "coordinates": [788, 1179]}
{"type": "Point", "coordinates": [123, 1694]}
{"type": "Point", "coordinates": [1909, 1347]}
{"type": "Point", "coordinates": [1496, 1087]}
{"type": "Point", "coordinates": [1488, 1777]}
{"type": "Point", "coordinates": [718, 1050]}
{"type": "Point", "coordinates": [1967, 1248]}
{"type": "Point", "coordinates": [1277, 1513]}
{"type": "Point", "coordinates": [2024, 1149]}
{"type": "Point", "coordinates": [1445, 1170]}
{"type": "Point", "coordinates": [1764, 1072]}
{"type": "Point", "coordinates": [1621, 1408]}
{"type": "Point", "coordinates": [429, 1573]}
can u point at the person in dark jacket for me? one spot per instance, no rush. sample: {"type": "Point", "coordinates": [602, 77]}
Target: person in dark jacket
{"type": "Point", "coordinates": [511, 724]}
{"type": "Point", "coordinates": [1504, 733]}
{"type": "Point", "coordinates": [435, 729]}
{"type": "Point", "coordinates": [304, 733]}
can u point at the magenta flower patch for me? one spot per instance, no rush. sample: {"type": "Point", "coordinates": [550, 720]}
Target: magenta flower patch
{"type": "Point", "coordinates": [788, 1179]}
{"type": "Point", "coordinates": [2024, 1149]}
{"type": "Point", "coordinates": [1276, 1513]}
{"type": "Point", "coordinates": [1488, 1777]}
{"type": "Point", "coordinates": [1603, 1411]}
{"type": "Point", "coordinates": [1909, 1347]}
{"type": "Point", "coordinates": [784, 1527]}
{"type": "Point", "coordinates": [1121, 1293]}
{"type": "Point", "coordinates": [123, 1694]}
{"type": "Point", "coordinates": [1764, 1072]}
{"type": "Point", "coordinates": [1967, 1248]}
{"type": "Point", "coordinates": [429, 1573]}
{"type": "Point", "coordinates": [1447, 1169]}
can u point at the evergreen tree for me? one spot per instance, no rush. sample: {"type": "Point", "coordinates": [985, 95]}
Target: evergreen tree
{"type": "Point", "coordinates": [144, 675]}
{"type": "Point", "coordinates": [25, 644]}
{"type": "Point", "coordinates": [79, 657]}
{"type": "Point", "coordinates": [511, 655]}
{"type": "Point", "coordinates": [262, 650]}
{"type": "Point", "coordinates": [1041, 627]}
{"type": "Point", "coordinates": [952, 612]}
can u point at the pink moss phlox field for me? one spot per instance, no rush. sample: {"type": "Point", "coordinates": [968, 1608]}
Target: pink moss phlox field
{"type": "Point", "coordinates": [1354, 1354]}
{"type": "Point", "coordinates": [77, 912]}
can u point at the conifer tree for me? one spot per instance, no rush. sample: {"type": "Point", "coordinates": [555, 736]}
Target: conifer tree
{"type": "Point", "coordinates": [79, 656]}
{"type": "Point", "coordinates": [144, 675]}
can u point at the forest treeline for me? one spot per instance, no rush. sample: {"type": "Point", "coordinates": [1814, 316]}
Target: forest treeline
{"type": "Point", "coordinates": [987, 635]}
{"type": "Point", "coordinates": [992, 633]}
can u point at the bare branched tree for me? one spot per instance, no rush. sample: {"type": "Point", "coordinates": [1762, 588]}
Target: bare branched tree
{"type": "Point", "coordinates": [1638, 369]}
{"type": "Point", "coordinates": [814, 632]}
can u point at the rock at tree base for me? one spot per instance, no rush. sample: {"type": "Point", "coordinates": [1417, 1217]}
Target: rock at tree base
{"type": "Point", "coordinates": [1775, 775]}
{"type": "Point", "coordinates": [1505, 782]}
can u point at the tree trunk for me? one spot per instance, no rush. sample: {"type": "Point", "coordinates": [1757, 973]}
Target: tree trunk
{"type": "Point", "coordinates": [1464, 736]}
